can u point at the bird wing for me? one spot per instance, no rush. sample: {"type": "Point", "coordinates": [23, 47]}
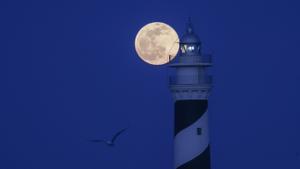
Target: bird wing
{"type": "Point", "coordinates": [97, 141]}
{"type": "Point", "coordinates": [117, 135]}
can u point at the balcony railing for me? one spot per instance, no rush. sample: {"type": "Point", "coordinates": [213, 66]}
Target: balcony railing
{"type": "Point", "coordinates": [190, 80]}
{"type": "Point", "coordinates": [195, 59]}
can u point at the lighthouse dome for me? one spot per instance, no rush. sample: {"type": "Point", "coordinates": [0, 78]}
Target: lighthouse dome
{"type": "Point", "coordinates": [189, 36]}
{"type": "Point", "coordinates": [190, 43]}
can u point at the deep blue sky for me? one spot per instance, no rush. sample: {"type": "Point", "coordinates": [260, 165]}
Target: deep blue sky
{"type": "Point", "coordinates": [69, 72]}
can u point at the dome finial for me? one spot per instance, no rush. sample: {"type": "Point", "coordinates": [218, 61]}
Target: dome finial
{"type": "Point", "coordinates": [189, 36]}
{"type": "Point", "coordinates": [189, 29]}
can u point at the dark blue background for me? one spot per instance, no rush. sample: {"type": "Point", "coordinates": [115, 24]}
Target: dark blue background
{"type": "Point", "coordinates": [69, 73]}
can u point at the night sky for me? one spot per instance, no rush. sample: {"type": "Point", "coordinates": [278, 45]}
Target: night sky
{"type": "Point", "coordinates": [69, 73]}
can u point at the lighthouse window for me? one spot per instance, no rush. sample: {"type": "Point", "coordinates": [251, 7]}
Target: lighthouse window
{"type": "Point", "coordinates": [183, 49]}
{"type": "Point", "coordinates": [191, 48]}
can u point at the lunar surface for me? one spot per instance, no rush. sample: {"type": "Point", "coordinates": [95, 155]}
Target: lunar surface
{"type": "Point", "coordinates": [157, 43]}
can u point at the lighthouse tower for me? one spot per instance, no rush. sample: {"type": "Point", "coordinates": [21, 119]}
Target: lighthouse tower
{"type": "Point", "coordinates": [190, 88]}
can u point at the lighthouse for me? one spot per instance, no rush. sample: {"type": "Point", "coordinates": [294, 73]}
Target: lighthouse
{"type": "Point", "coordinates": [190, 87]}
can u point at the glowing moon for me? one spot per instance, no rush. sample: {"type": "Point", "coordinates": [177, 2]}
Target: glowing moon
{"type": "Point", "coordinates": [157, 43]}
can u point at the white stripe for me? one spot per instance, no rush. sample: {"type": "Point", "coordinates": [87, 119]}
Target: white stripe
{"type": "Point", "coordinates": [188, 144]}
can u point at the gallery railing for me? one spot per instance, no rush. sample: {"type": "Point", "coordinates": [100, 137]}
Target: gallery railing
{"type": "Point", "coordinates": [190, 80]}
{"type": "Point", "coordinates": [207, 58]}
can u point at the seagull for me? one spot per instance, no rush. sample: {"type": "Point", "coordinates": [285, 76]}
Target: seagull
{"type": "Point", "coordinates": [111, 142]}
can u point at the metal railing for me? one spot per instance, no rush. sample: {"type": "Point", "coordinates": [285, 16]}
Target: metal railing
{"type": "Point", "coordinates": [190, 80]}
{"type": "Point", "coordinates": [195, 59]}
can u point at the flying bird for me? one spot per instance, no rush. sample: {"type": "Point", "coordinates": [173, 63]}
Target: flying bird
{"type": "Point", "coordinates": [111, 142]}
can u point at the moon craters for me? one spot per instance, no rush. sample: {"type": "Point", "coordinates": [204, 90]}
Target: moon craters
{"type": "Point", "coordinates": [156, 42]}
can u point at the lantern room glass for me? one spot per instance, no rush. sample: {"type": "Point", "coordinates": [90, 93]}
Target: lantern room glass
{"type": "Point", "coordinates": [190, 48]}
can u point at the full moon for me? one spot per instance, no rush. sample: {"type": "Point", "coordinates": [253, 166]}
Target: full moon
{"type": "Point", "coordinates": [157, 43]}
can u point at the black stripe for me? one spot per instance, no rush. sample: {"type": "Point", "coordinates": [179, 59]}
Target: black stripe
{"type": "Point", "coordinates": [187, 112]}
{"type": "Point", "coordinates": [202, 161]}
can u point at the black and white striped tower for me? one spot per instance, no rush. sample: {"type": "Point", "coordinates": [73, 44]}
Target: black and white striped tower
{"type": "Point", "coordinates": [190, 88]}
